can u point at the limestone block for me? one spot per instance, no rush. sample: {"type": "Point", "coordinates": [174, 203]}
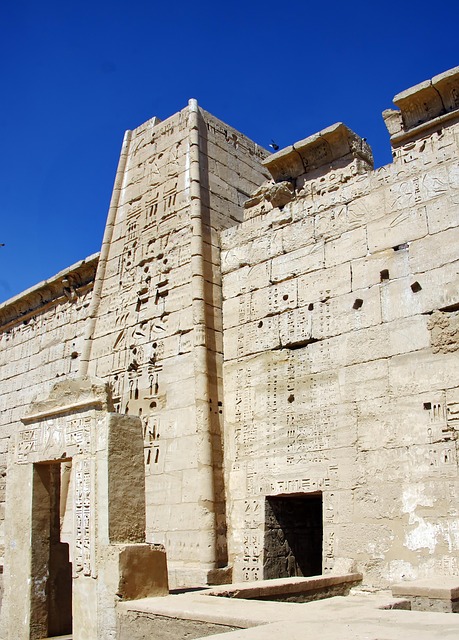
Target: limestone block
{"type": "Point", "coordinates": [297, 234]}
{"type": "Point", "coordinates": [246, 279]}
{"type": "Point", "coordinates": [351, 245]}
{"type": "Point", "coordinates": [326, 354]}
{"type": "Point", "coordinates": [265, 247]}
{"type": "Point", "coordinates": [255, 337]}
{"type": "Point", "coordinates": [275, 299]}
{"type": "Point", "coordinates": [443, 213]}
{"type": "Point", "coordinates": [419, 104]}
{"type": "Point", "coordinates": [434, 251]}
{"type": "Point", "coordinates": [330, 144]}
{"type": "Point", "coordinates": [142, 572]}
{"type": "Point", "coordinates": [334, 281]}
{"type": "Point", "coordinates": [346, 313]}
{"type": "Point", "coordinates": [180, 394]}
{"type": "Point", "coordinates": [180, 454]}
{"type": "Point", "coordinates": [386, 420]}
{"type": "Point", "coordinates": [364, 381]}
{"type": "Point", "coordinates": [447, 84]}
{"type": "Point", "coordinates": [236, 310]}
{"type": "Point", "coordinates": [397, 228]}
{"type": "Point", "coordinates": [386, 340]}
{"type": "Point", "coordinates": [393, 121]}
{"type": "Point", "coordinates": [416, 466]}
{"type": "Point", "coordinates": [179, 298]}
{"type": "Point", "coordinates": [422, 371]}
{"type": "Point", "coordinates": [408, 334]}
{"type": "Point", "coordinates": [372, 269]}
{"type": "Point", "coordinates": [246, 232]}
{"type": "Point", "coordinates": [453, 177]}
{"type": "Point", "coordinates": [399, 465]}
{"type": "Point", "coordinates": [339, 427]}
{"type": "Point", "coordinates": [285, 164]}
{"type": "Point", "coordinates": [309, 258]}
{"type": "Point", "coordinates": [372, 505]}
{"type": "Point", "coordinates": [420, 294]}
{"type": "Point", "coordinates": [234, 258]}
{"type": "Point", "coordinates": [295, 327]}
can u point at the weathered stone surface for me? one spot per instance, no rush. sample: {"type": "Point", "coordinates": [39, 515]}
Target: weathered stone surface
{"type": "Point", "coordinates": [287, 352]}
{"type": "Point", "coordinates": [359, 354]}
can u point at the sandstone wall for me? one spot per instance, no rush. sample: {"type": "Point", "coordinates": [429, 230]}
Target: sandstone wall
{"type": "Point", "coordinates": [157, 335]}
{"type": "Point", "coordinates": [41, 340]}
{"type": "Point", "coordinates": [318, 316]}
{"type": "Point", "coordinates": [341, 374]}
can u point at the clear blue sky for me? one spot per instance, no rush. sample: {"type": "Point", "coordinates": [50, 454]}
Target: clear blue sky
{"type": "Point", "coordinates": [75, 75]}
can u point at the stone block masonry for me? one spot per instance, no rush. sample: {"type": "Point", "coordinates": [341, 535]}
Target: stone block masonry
{"type": "Point", "coordinates": [340, 307]}
{"type": "Point", "coordinates": [284, 329]}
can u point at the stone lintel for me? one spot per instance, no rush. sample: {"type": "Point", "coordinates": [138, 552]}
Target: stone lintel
{"type": "Point", "coordinates": [60, 411]}
{"type": "Point", "coordinates": [72, 395]}
{"type": "Point", "coordinates": [321, 149]}
{"type": "Point", "coordinates": [437, 587]}
{"type": "Point", "coordinates": [427, 103]}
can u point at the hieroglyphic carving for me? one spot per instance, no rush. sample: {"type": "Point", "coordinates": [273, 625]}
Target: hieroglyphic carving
{"type": "Point", "coordinates": [27, 442]}
{"type": "Point", "coordinates": [329, 548]}
{"type": "Point", "coordinates": [257, 483]}
{"type": "Point", "coordinates": [252, 540]}
{"type": "Point", "coordinates": [447, 566]}
{"type": "Point", "coordinates": [252, 551]}
{"type": "Point", "coordinates": [83, 547]}
{"type": "Point", "coordinates": [151, 435]}
{"type": "Point", "coordinates": [54, 438]}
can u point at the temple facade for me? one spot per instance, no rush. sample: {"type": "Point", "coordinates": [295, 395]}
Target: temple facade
{"type": "Point", "coordinates": [257, 376]}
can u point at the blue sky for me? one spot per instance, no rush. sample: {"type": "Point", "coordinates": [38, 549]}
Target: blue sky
{"type": "Point", "coordinates": [75, 75]}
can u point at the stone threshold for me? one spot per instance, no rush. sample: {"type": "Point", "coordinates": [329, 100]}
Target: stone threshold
{"type": "Point", "coordinates": [280, 588]}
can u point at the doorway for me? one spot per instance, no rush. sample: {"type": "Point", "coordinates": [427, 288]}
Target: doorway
{"type": "Point", "coordinates": [293, 536]}
{"type": "Point", "coordinates": [51, 593]}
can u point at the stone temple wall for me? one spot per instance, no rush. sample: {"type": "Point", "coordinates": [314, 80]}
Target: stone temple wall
{"type": "Point", "coordinates": [341, 327]}
{"type": "Point", "coordinates": [157, 334]}
{"type": "Point", "coordinates": [41, 338]}
{"type": "Point", "coordinates": [289, 344]}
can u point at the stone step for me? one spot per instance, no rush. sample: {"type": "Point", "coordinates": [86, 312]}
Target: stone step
{"type": "Point", "coordinates": [438, 593]}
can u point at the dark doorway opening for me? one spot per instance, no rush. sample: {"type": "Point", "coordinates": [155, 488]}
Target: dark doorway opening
{"type": "Point", "coordinates": [51, 595]}
{"type": "Point", "coordinates": [293, 536]}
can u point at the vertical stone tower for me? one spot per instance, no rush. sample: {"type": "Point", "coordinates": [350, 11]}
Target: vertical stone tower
{"type": "Point", "coordinates": [155, 330]}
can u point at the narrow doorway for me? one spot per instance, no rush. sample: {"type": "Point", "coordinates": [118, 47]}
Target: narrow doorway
{"type": "Point", "coordinates": [293, 536]}
{"type": "Point", "coordinates": [51, 596]}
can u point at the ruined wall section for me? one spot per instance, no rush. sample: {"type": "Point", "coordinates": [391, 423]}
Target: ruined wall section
{"type": "Point", "coordinates": [41, 339]}
{"type": "Point", "coordinates": [341, 296]}
{"type": "Point", "coordinates": [157, 332]}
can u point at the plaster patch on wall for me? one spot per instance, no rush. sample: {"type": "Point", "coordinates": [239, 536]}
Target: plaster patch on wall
{"type": "Point", "coordinates": [425, 534]}
{"type": "Point", "coordinates": [398, 570]}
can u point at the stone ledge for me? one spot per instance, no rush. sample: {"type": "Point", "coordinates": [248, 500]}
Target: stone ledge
{"type": "Point", "coordinates": [321, 149]}
{"type": "Point", "coordinates": [440, 587]}
{"type": "Point", "coordinates": [282, 586]}
{"type": "Point", "coordinates": [426, 104]}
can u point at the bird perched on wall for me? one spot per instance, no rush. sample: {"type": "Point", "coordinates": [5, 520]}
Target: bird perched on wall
{"type": "Point", "coordinates": [274, 145]}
